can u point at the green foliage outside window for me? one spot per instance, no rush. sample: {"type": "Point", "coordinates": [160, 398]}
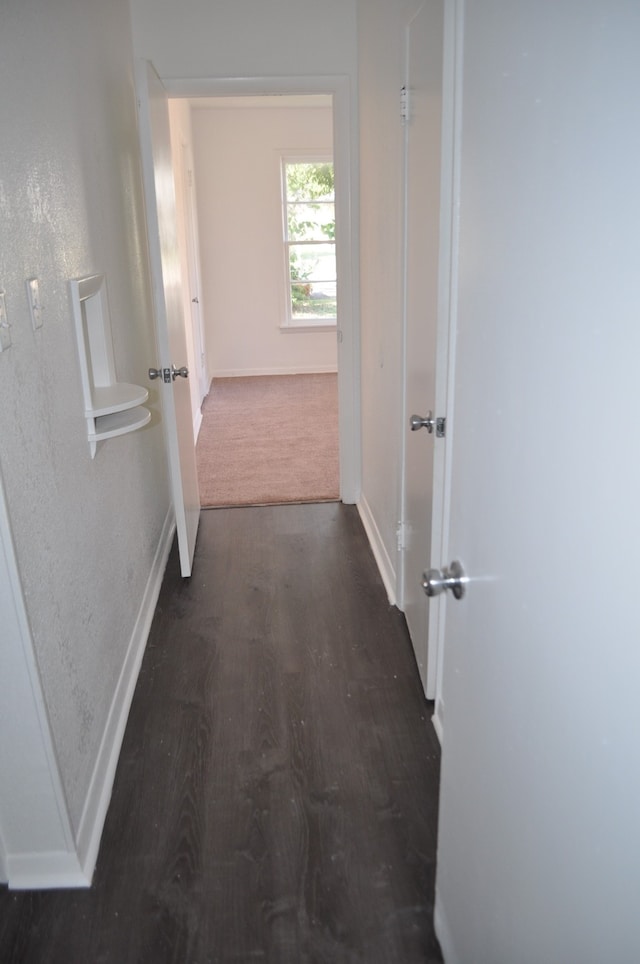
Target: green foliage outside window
{"type": "Point", "coordinates": [311, 229]}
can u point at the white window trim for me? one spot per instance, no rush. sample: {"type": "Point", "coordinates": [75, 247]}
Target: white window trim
{"type": "Point", "coordinates": [289, 324]}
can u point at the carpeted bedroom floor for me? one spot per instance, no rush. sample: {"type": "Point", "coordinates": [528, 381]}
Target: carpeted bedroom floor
{"type": "Point", "coordinates": [269, 439]}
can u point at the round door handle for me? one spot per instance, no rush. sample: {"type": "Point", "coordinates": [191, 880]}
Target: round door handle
{"type": "Point", "coordinates": [422, 421]}
{"type": "Point", "coordinates": [182, 372]}
{"type": "Point", "coordinates": [452, 577]}
{"type": "Point", "coordinates": [155, 373]}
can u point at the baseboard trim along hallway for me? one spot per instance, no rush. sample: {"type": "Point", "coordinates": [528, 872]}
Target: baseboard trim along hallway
{"type": "Point", "coordinates": [100, 788]}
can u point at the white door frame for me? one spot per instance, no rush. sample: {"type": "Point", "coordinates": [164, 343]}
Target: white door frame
{"type": "Point", "coordinates": [443, 393]}
{"type": "Point", "coordinates": [345, 149]}
{"type": "Point", "coordinates": [447, 305]}
{"type": "Point", "coordinates": [424, 269]}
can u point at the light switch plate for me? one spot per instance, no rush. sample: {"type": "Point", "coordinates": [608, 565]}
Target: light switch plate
{"type": "Point", "coordinates": [5, 331]}
{"type": "Point", "coordinates": [35, 305]}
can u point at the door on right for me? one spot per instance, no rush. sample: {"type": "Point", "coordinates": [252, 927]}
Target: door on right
{"type": "Point", "coordinates": [539, 848]}
{"type": "Point", "coordinates": [422, 446]}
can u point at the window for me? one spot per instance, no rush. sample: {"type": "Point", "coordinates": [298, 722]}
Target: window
{"type": "Point", "coordinates": [309, 242]}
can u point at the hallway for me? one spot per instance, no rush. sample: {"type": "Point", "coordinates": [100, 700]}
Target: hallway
{"type": "Point", "coordinates": [276, 796]}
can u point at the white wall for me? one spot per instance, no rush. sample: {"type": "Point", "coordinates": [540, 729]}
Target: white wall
{"type": "Point", "coordinates": [85, 531]}
{"type": "Point", "coordinates": [246, 38]}
{"type": "Point", "coordinates": [381, 57]}
{"type": "Point", "coordinates": [34, 826]}
{"type": "Point", "coordinates": [237, 152]}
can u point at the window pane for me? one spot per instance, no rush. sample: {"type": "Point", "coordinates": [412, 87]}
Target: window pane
{"type": "Point", "coordinates": [309, 214]}
{"type": "Point", "coordinates": [314, 300]}
{"type": "Point", "coordinates": [312, 262]}
{"type": "Point", "coordinates": [311, 222]}
{"type": "Point", "coordinates": [309, 181]}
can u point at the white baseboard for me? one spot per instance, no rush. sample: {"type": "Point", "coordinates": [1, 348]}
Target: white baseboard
{"type": "Point", "coordinates": [43, 871]}
{"type": "Point", "coordinates": [438, 718]}
{"type": "Point", "coordinates": [4, 873]}
{"type": "Point", "coordinates": [380, 553]}
{"type": "Point", "coordinates": [197, 422]}
{"type": "Point", "coordinates": [296, 370]}
{"type": "Point", "coordinates": [443, 933]}
{"type": "Point", "coordinates": [99, 794]}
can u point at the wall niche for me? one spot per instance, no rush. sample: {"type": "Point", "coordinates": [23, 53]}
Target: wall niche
{"type": "Point", "coordinates": [111, 407]}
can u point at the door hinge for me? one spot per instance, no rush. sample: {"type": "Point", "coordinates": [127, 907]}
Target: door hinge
{"type": "Point", "coordinates": [441, 427]}
{"type": "Point", "coordinates": [401, 533]}
{"type": "Point", "coordinates": [404, 104]}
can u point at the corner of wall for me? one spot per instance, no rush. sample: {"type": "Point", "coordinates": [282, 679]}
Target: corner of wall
{"type": "Point", "coordinates": [44, 864]}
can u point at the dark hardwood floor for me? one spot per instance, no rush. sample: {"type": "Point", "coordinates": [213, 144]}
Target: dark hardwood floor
{"type": "Point", "coordinates": [276, 796]}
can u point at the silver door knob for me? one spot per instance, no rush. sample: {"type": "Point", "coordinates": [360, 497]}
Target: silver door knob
{"type": "Point", "coordinates": [452, 577]}
{"type": "Point", "coordinates": [155, 373]}
{"type": "Point", "coordinates": [182, 372]}
{"type": "Point", "coordinates": [418, 421]}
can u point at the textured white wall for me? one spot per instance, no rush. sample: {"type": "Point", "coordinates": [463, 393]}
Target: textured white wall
{"type": "Point", "coordinates": [71, 204]}
{"type": "Point", "coordinates": [381, 58]}
{"type": "Point", "coordinates": [246, 38]}
{"type": "Point", "coordinates": [237, 165]}
{"type": "Point", "coordinates": [30, 817]}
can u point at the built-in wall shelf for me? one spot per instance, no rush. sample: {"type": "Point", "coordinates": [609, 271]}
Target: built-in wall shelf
{"type": "Point", "coordinates": [117, 398]}
{"type": "Point", "coordinates": [111, 407]}
{"type": "Point", "coordinates": [119, 423]}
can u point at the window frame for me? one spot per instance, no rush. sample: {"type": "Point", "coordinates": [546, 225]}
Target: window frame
{"type": "Point", "coordinates": [289, 321]}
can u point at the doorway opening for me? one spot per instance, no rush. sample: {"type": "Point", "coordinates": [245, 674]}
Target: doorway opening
{"type": "Point", "coordinates": [258, 300]}
{"type": "Point", "coordinates": [262, 184]}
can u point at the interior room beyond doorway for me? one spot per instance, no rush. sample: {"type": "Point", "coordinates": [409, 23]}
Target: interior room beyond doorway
{"type": "Point", "coordinates": [251, 303]}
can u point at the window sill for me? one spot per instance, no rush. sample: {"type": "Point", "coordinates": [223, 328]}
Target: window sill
{"type": "Point", "coordinates": [309, 326]}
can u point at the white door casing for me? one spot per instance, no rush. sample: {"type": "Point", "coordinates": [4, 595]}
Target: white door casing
{"type": "Point", "coordinates": [538, 853]}
{"type": "Point", "coordinates": [164, 259]}
{"type": "Point", "coordinates": [423, 125]}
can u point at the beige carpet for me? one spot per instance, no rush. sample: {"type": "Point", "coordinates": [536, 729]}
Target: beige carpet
{"type": "Point", "coordinates": [269, 439]}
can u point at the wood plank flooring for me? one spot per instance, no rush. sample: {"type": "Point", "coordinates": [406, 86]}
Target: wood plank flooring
{"type": "Point", "coordinates": [276, 796]}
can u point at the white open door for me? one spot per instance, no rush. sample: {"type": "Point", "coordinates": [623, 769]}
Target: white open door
{"type": "Point", "coordinates": [170, 333]}
{"type": "Point", "coordinates": [193, 280]}
{"type": "Point", "coordinates": [424, 55]}
{"type": "Point", "coordinates": [539, 852]}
